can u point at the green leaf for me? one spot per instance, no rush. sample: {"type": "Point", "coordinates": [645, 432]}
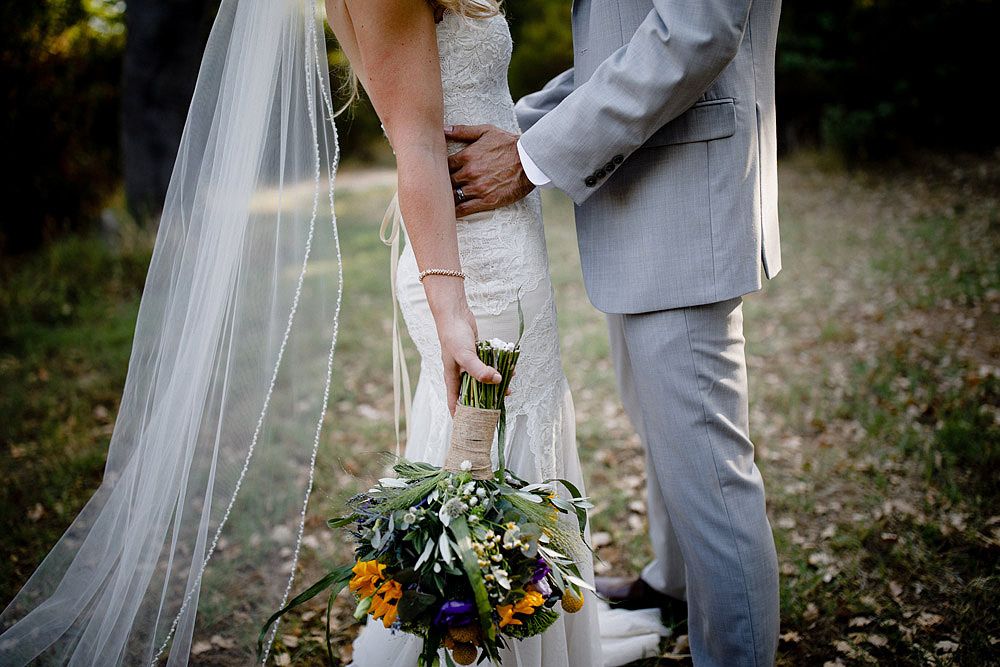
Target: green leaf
{"type": "Point", "coordinates": [364, 604]}
{"type": "Point", "coordinates": [463, 539]}
{"type": "Point", "coordinates": [337, 578]}
{"type": "Point", "coordinates": [581, 512]}
{"type": "Point", "coordinates": [344, 521]}
{"type": "Point", "coordinates": [412, 604]}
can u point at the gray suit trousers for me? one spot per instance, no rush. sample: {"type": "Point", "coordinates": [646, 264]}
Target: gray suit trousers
{"type": "Point", "coordinates": [682, 377]}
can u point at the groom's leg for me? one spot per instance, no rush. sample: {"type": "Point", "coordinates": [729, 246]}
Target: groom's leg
{"type": "Point", "coordinates": [690, 374]}
{"type": "Point", "coordinates": [666, 572]}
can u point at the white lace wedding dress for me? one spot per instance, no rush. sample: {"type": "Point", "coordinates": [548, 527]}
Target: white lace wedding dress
{"type": "Point", "coordinates": [503, 253]}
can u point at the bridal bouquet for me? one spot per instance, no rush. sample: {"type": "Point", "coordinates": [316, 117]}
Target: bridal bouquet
{"type": "Point", "coordinates": [463, 556]}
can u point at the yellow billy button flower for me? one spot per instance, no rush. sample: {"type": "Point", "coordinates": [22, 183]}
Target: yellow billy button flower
{"type": "Point", "coordinates": [367, 577]}
{"type": "Point", "coordinates": [571, 603]}
{"type": "Point", "coordinates": [385, 601]}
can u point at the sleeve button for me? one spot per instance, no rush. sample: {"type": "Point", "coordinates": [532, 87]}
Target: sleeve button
{"type": "Point", "coordinates": [609, 167]}
{"type": "Point", "coordinates": [590, 181]}
{"type": "Point", "coordinates": [618, 159]}
{"type": "Point", "coordinates": [600, 173]}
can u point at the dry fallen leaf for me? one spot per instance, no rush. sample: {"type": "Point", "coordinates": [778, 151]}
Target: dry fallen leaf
{"type": "Point", "coordinates": [36, 512]}
{"type": "Point", "coordinates": [201, 647]}
{"type": "Point", "coordinates": [222, 642]}
{"type": "Point", "coordinates": [791, 636]}
{"type": "Point", "coordinates": [290, 641]}
{"type": "Point", "coordinates": [859, 622]}
{"type": "Point", "coordinates": [878, 640]}
{"type": "Point", "coordinates": [946, 646]}
{"type": "Point", "coordinates": [811, 613]}
{"type": "Point", "coordinates": [895, 590]}
{"type": "Point", "coordinates": [601, 539]}
{"type": "Point", "coordinates": [283, 660]}
{"type": "Point", "coordinates": [927, 619]}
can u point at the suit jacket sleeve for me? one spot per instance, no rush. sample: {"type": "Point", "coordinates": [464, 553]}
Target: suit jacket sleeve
{"type": "Point", "coordinates": [531, 108]}
{"type": "Point", "coordinates": [679, 49]}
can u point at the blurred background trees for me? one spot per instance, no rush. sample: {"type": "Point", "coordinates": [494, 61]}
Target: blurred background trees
{"type": "Point", "coordinates": [863, 79]}
{"type": "Point", "coordinates": [60, 72]}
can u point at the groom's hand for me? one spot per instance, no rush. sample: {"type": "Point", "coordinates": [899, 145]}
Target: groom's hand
{"type": "Point", "coordinates": [488, 171]}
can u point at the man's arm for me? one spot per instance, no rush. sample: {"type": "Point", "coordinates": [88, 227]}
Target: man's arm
{"type": "Point", "coordinates": [678, 51]}
{"type": "Point", "coordinates": [531, 108]}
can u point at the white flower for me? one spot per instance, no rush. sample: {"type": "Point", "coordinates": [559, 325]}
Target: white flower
{"type": "Point", "coordinates": [466, 465]}
{"type": "Point", "coordinates": [501, 344]}
{"type": "Point", "coordinates": [452, 509]}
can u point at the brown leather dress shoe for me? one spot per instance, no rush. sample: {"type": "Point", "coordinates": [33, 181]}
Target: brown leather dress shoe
{"type": "Point", "coordinates": [634, 593]}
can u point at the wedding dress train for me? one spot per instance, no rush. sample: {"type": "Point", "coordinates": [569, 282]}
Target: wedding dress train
{"type": "Point", "coordinates": [503, 253]}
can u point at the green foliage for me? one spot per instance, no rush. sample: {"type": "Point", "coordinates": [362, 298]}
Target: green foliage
{"type": "Point", "coordinates": [869, 78]}
{"type": "Point", "coordinates": [61, 78]}
{"type": "Point", "coordinates": [543, 42]}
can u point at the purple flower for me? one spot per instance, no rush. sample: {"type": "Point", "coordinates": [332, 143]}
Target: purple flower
{"type": "Point", "coordinates": [454, 613]}
{"type": "Point", "coordinates": [543, 588]}
{"type": "Point", "coordinates": [540, 571]}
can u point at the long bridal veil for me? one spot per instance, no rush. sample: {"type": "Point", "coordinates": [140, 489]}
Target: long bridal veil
{"type": "Point", "coordinates": [195, 531]}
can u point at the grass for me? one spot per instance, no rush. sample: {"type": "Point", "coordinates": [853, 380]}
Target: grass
{"type": "Point", "coordinates": [875, 406]}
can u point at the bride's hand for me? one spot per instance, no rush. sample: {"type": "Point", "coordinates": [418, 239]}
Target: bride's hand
{"type": "Point", "coordinates": [457, 333]}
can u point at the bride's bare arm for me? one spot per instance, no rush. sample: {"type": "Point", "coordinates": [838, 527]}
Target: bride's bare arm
{"type": "Point", "coordinates": [392, 46]}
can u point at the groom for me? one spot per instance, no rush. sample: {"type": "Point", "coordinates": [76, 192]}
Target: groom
{"type": "Point", "coordinates": [664, 136]}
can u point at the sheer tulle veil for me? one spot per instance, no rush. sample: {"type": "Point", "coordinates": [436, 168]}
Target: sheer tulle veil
{"type": "Point", "coordinates": [195, 531]}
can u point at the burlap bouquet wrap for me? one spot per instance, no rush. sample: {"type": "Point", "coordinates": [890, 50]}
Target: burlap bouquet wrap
{"type": "Point", "coordinates": [472, 440]}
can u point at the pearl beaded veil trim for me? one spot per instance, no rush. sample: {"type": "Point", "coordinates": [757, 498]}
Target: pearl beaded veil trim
{"type": "Point", "coordinates": [195, 531]}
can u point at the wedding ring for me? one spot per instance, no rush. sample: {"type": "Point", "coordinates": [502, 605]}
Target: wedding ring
{"type": "Point", "coordinates": [460, 195]}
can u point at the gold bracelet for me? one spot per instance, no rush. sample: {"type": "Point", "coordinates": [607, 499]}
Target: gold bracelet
{"type": "Point", "coordinates": [440, 272]}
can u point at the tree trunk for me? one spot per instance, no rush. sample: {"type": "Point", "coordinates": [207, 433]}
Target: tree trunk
{"type": "Point", "coordinates": [165, 42]}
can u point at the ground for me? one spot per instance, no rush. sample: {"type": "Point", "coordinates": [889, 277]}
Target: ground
{"type": "Point", "coordinates": [874, 363]}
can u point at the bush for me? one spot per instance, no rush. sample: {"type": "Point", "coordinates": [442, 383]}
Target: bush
{"type": "Point", "coordinates": [871, 78]}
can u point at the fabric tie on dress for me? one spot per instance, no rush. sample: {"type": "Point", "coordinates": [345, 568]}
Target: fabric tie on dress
{"type": "Point", "coordinates": [400, 375]}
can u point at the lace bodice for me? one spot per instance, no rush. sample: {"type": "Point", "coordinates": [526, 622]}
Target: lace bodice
{"type": "Point", "coordinates": [475, 55]}
{"type": "Point", "coordinates": [502, 252]}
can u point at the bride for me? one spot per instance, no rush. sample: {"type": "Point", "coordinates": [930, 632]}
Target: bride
{"type": "Point", "coordinates": [198, 522]}
{"type": "Point", "coordinates": [417, 74]}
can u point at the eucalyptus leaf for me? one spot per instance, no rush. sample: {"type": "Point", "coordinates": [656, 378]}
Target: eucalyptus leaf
{"type": "Point", "coordinates": [445, 548]}
{"type": "Point", "coordinates": [579, 582]}
{"type": "Point", "coordinates": [428, 550]}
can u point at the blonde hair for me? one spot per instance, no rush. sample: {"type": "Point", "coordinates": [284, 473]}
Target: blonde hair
{"type": "Point", "coordinates": [471, 9]}
{"type": "Point", "coordinates": [468, 9]}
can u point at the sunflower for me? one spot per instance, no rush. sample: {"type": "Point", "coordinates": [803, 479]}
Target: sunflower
{"type": "Point", "coordinates": [384, 604]}
{"type": "Point", "coordinates": [367, 577]}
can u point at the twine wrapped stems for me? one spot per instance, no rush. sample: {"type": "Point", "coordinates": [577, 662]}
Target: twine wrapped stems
{"type": "Point", "coordinates": [480, 412]}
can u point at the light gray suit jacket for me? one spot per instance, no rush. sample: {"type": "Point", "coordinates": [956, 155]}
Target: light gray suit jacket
{"type": "Point", "coordinates": [664, 135]}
